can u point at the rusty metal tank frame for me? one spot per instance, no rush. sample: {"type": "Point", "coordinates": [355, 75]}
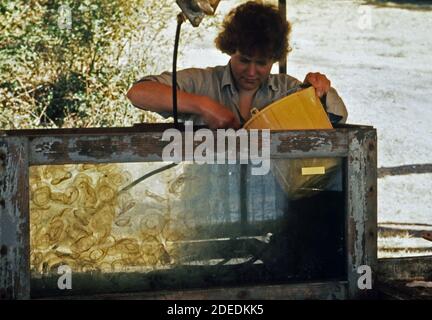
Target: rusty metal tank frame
{"type": "Point", "coordinates": [20, 149]}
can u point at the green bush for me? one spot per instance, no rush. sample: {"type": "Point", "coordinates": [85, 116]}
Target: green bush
{"type": "Point", "coordinates": [52, 76]}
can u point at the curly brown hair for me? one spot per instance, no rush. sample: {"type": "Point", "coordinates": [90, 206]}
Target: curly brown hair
{"type": "Point", "coordinates": [255, 28]}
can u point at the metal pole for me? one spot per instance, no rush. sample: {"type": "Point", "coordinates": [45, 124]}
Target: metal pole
{"type": "Point", "coordinates": [282, 11]}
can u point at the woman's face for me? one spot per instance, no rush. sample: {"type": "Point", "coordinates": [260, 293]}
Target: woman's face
{"type": "Point", "coordinates": [249, 72]}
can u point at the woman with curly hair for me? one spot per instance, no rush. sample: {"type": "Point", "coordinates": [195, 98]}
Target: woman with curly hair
{"type": "Point", "coordinates": [255, 36]}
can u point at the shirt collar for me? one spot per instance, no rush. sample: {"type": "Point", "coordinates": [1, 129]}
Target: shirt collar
{"type": "Point", "coordinates": [227, 79]}
{"type": "Point", "coordinates": [271, 83]}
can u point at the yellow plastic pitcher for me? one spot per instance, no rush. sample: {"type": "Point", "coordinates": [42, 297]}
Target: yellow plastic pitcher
{"type": "Point", "coordinates": [301, 110]}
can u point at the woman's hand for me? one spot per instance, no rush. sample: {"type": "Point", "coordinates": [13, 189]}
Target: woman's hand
{"type": "Point", "coordinates": [215, 115]}
{"type": "Point", "coordinates": [319, 82]}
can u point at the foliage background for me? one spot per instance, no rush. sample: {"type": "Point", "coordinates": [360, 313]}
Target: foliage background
{"type": "Point", "coordinates": [51, 76]}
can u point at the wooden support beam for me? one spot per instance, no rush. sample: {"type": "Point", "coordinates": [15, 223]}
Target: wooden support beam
{"type": "Point", "coordinates": [14, 219]}
{"type": "Point", "coordinates": [362, 207]}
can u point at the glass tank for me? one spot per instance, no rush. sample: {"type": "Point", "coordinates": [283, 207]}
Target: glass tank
{"type": "Point", "coordinates": [159, 226]}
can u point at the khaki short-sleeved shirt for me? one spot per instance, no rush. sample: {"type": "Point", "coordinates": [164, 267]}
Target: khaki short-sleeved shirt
{"type": "Point", "coordinates": [218, 84]}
